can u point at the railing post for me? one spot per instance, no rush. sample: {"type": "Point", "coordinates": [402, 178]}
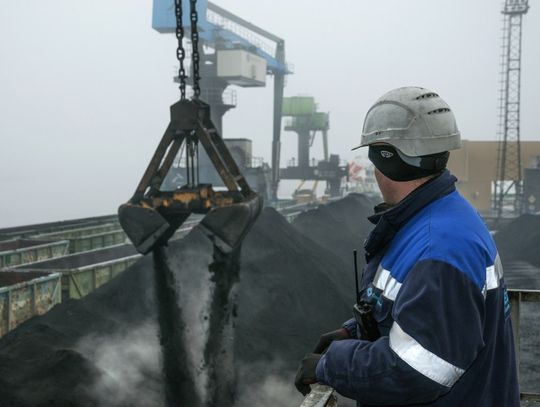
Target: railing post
{"type": "Point", "coordinates": [34, 299]}
{"type": "Point", "coordinates": [9, 311]}
{"type": "Point", "coordinates": [515, 304]}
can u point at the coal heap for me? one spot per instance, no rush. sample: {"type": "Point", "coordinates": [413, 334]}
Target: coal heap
{"type": "Point", "coordinates": [518, 244]}
{"type": "Point", "coordinates": [309, 289]}
{"type": "Point", "coordinates": [103, 350]}
{"type": "Point", "coordinates": [340, 226]}
{"type": "Point", "coordinates": [40, 361]}
{"type": "Point", "coordinates": [520, 240]}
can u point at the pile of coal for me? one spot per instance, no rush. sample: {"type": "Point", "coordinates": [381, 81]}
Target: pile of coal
{"type": "Point", "coordinates": [339, 226]}
{"type": "Point", "coordinates": [519, 247]}
{"type": "Point", "coordinates": [103, 350]}
{"type": "Point", "coordinates": [41, 362]}
{"type": "Point", "coordinates": [299, 280]}
{"type": "Point", "coordinates": [520, 239]}
{"type": "Point", "coordinates": [518, 244]}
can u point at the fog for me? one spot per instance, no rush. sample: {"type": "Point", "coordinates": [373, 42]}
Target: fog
{"type": "Point", "coordinates": [85, 86]}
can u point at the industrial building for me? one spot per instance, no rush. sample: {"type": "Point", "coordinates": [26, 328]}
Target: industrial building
{"type": "Point", "coordinates": [475, 166]}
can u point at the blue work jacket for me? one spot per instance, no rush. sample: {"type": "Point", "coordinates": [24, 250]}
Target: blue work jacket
{"type": "Point", "coordinates": [436, 284]}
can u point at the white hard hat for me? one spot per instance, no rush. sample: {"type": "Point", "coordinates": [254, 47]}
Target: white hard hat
{"type": "Point", "coordinates": [414, 120]}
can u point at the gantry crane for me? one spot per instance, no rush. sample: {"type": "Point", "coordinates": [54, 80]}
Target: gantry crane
{"type": "Point", "coordinates": [306, 122]}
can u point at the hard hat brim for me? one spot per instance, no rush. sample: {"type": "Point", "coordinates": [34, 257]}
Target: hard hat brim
{"type": "Point", "coordinates": [417, 147]}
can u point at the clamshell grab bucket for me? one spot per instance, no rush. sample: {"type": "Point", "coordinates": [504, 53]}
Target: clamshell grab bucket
{"type": "Point", "coordinates": [152, 216]}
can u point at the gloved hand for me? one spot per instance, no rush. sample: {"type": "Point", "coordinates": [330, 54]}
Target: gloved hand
{"type": "Point", "coordinates": [306, 373]}
{"type": "Point", "coordinates": [326, 339]}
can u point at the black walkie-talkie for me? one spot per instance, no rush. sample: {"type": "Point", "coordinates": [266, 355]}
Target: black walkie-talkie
{"type": "Point", "coordinates": [362, 310]}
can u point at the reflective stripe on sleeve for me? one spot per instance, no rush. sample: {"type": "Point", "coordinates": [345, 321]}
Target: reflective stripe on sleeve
{"type": "Point", "coordinates": [389, 285]}
{"type": "Point", "coordinates": [421, 359]}
{"type": "Point", "coordinates": [494, 274]}
{"type": "Point", "coordinates": [492, 280]}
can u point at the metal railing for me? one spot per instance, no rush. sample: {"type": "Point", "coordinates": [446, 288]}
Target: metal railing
{"type": "Point", "coordinates": [320, 396]}
{"type": "Point", "coordinates": [257, 162]}
{"type": "Point", "coordinates": [253, 38]}
{"type": "Point", "coordinates": [323, 396]}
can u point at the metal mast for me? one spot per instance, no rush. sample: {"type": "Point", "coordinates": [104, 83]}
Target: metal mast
{"type": "Point", "coordinates": [509, 172]}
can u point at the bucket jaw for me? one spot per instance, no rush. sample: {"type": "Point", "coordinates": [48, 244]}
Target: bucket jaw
{"type": "Point", "coordinates": [146, 227]}
{"type": "Point", "coordinates": [152, 216]}
{"type": "Point", "coordinates": [143, 226]}
{"type": "Point", "coordinates": [227, 226]}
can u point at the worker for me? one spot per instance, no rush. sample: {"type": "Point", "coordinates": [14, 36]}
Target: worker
{"type": "Point", "coordinates": [433, 282]}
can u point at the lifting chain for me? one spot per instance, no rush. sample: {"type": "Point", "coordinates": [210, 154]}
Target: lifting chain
{"type": "Point", "coordinates": [180, 51]}
{"type": "Point", "coordinates": [195, 56]}
{"type": "Point", "coordinates": [192, 152]}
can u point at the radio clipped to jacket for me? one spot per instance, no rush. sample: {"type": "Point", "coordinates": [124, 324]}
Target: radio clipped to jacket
{"type": "Point", "coordinates": [367, 325]}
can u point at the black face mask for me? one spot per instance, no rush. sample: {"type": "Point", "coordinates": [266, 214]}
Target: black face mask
{"type": "Point", "coordinates": [388, 161]}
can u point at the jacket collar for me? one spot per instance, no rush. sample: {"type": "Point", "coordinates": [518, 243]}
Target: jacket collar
{"type": "Point", "coordinates": [389, 220]}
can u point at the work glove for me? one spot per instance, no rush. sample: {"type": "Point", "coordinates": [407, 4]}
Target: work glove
{"type": "Point", "coordinates": [326, 339]}
{"type": "Point", "coordinates": [306, 373]}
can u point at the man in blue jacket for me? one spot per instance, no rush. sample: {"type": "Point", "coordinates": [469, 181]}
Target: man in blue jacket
{"type": "Point", "coordinates": [433, 284]}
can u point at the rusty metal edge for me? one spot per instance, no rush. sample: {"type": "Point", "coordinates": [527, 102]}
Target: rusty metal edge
{"type": "Point", "coordinates": [114, 225]}
{"type": "Point", "coordinates": [40, 246]}
{"type": "Point", "coordinates": [50, 276]}
{"type": "Point", "coordinates": [102, 264]}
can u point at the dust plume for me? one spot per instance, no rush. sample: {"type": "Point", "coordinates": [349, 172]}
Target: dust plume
{"type": "Point", "coordinates": [267, 384]}
{"type": "Point", "coordinates": [130, 367]}
{"type": "Point", "coordinates": [193, 287]}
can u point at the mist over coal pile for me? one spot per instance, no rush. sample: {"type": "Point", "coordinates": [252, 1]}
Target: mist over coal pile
{"type": "Point", "coordinates": [103, 350]}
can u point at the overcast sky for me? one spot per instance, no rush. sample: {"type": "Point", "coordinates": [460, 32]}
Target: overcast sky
{"type": "Point", "coordinates": [86, 85]}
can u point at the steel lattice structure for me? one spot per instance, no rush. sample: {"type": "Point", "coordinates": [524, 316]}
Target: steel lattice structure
{"type": "Point", "coordinates": [508, 186]}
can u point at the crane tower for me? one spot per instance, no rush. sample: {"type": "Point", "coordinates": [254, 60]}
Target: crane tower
{"type": "Point", "coordinates": [508, 185]}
